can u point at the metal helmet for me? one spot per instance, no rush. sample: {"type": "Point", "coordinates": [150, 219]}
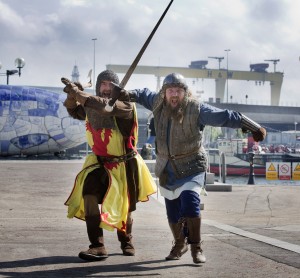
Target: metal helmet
{"type": "Point", "coordinates": [106, 75]}
{"type": "Point", "coordinates": [174, 79]}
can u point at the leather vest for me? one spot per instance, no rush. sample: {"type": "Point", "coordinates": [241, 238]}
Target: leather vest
{"type": "Point", "coordinates": [182, 146]}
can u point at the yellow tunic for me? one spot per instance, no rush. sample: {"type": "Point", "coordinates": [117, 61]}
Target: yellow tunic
{"type": "Point", "coordinates": [114, 209]}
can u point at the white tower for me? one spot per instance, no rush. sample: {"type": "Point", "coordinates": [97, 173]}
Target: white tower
{"type": "Point", "coordinates": [75, 74]}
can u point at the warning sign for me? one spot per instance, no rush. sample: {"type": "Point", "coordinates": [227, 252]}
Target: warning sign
{"type": "Point", "coordinates": [271, 171]}
{"type": "Point", "coordinates": [296, 171]}
{"type": "Point", "coordinates": [284, 170]}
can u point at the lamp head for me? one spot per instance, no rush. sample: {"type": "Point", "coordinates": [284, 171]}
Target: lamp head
{"type": "Point", "coordinates": [19, 63]}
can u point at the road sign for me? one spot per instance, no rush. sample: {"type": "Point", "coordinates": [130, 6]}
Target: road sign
{"type": "Point", "coordinates": [272, 170]}
{"type": "Point", "coordinates": [284, 170]}
{"type": "Point", "coordinates": [296, 171]}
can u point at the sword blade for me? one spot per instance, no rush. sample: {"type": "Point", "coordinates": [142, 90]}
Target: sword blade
{"type": "Point", "coordinates": [117, 90]}
{"type": "Point", "coordinates": [140, 54]}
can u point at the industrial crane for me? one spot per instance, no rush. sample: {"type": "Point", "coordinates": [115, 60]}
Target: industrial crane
{"type": "Point", "coordinates": [218, 58]}
{"type": "Point", "coordinates": [275, 61]}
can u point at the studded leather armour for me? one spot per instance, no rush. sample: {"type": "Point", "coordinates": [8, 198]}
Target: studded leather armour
{"type": "Point", "coordinates": [184, 150]}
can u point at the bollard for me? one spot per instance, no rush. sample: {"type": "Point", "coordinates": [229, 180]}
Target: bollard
{"type": "Point", "coordinates": [251, 179]}
{"type": "Point", "coordinates": [223, 167]}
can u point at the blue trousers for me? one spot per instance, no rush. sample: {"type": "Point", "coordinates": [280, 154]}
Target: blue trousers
{"type": "Point", "coordinates": [186, 205]}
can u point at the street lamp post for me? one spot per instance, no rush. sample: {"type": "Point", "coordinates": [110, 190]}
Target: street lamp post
{"type": "Point", "coordinates": [227, 50]}
{"type": "Point", "coordinates": [8, 73]}
{"type": "Point", "coordinates": [251, 178]}
{"type": "Point", "coordinates": [295, 135]}
{"type": "Point", "coordinates": [19, 63]}
{"type": "Point", "coordinates": [94, 62]}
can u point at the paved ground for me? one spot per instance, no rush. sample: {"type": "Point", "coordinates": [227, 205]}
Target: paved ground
{"type": "Point", "coordinates": [242, 230]}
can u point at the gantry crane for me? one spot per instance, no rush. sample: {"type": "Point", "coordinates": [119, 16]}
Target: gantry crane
{"type": "Point", "coordinates": [275, 61]}
{"type": "Point", "coordinates": [218, 58]}
{"type": "Point", "coordinates": [221, 76]}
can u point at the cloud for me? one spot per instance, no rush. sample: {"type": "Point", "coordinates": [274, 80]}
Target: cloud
{"type": "Point", "coordinates": [9, 19]}
{"type": "Point", "coordinates": [54, 35]}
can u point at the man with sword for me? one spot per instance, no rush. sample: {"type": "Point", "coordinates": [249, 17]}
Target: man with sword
{"type": "Point", "coordinates": [114, 175]}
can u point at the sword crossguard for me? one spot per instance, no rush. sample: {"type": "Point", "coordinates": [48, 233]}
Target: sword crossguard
{"type": "Point", "coordinates": [116, 94]}
{"type": "Point", "coordinates": [108, 108]}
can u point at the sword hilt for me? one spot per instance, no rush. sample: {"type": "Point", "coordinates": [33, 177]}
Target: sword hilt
{"type": "Point", "coordinates": [116, 94]}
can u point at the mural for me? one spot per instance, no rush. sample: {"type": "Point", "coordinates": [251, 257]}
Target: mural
{"type": "Point", "coordinates": [34, 121]}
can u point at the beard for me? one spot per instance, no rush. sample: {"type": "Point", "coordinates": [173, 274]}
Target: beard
{"type": "Point", "coordinates": [176, 112]}
{"type": "Point", "coordinates": [172, 111]}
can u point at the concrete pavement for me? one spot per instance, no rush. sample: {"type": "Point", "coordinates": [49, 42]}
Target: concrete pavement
{"type": "Point", "coordinates": [241, 230]}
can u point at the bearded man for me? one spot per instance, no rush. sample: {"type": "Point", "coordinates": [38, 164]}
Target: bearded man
{"type": "Point", "coordinates": [112, 175]}
{"type": "Point", "coordinates": [181, 161]}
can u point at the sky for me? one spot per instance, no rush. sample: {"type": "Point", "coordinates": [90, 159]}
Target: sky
{"type": "Point", "coordinates": [53, 36]}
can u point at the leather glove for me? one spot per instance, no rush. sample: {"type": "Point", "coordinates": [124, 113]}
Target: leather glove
{"type": "Point", "coordinates": [259, 135]}
{"type": "Point", "coordinates": [127, 96]}
{"type": "Point", "coordinates": [117, 94]}
{"type": "Point", "coordinates": [123, 96]}
{"type": "Point", "coordinates": [73, 90]}
{"type": "Point", "coordinates": [116, 90]}
{"type": "Point", "coordinates": [79, 86]}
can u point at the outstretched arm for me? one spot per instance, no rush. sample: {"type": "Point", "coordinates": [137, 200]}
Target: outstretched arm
{"type": "Point", "coordinates": [122, 109]}
{"type": "Point", "coordinates": [258, 132]}
{"type": "Point", "coordinates": [74, 108]}
{"type": "Point", "coordinates": [213, 116]}
{"type": "Point", "coordinates": [144, 97]}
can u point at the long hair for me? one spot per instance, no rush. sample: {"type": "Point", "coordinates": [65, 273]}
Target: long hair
{"type": "Point", "coordinates": [161, 102]}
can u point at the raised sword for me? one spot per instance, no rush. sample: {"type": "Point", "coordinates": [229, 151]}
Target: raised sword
{"type": "Point", "coordinates": [117, 89]}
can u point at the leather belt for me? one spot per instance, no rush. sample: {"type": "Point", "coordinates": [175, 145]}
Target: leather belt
{"type": "Point", "coordinates": [116, 159]}
{"type": "Point", "coordinates": [179, 156]}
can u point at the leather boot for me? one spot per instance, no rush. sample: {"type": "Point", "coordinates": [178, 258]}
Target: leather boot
{"type": "Point", "coordinates": [96, 251]}
{"type": "Point", "coordinates": [180, 246]}
{"type": "Point", "coordinates": [194, 239]}
{"type": "Point", "coordinates": [126, 239]}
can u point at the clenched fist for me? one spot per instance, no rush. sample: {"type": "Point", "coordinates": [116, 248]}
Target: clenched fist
{"type": "Point", "coordinates": [259, 135]}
